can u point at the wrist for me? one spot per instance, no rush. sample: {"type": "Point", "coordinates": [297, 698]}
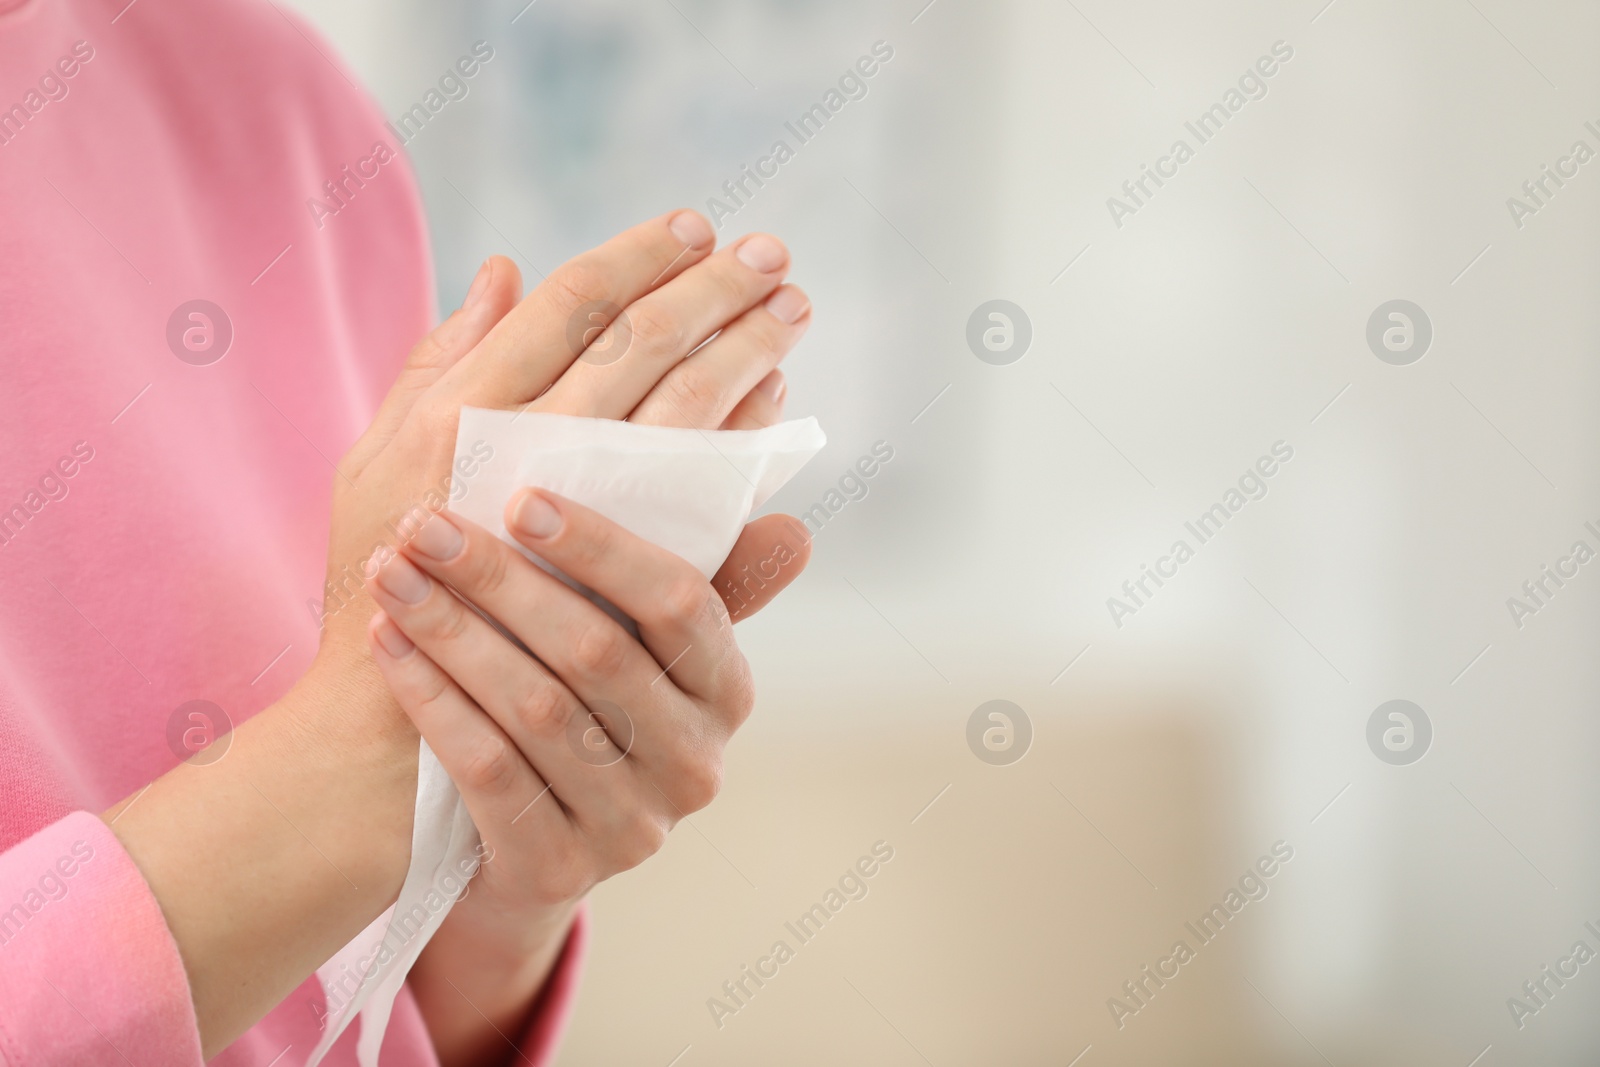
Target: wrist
{"type": "Point", "coordinates": [367, 749]}
{"type": "Point", "coordinates": [343, 700]}
{"type": "Point", "coordinates": [267, 859]}
{"type": "Point", "coordinates": [479, 968]}
{"type": "Point", "coordinates": [508, 944]}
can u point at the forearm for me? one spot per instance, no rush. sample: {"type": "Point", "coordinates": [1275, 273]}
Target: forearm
{"type": "Point", "coordinates": [269, 860]}
{"type": "Point", "coordinates": [475, 986]}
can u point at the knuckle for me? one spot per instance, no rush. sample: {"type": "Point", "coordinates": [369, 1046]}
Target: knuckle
{"type": "Point", "coordinates": [658, 329]}
{"type": "Point", "coordinates": [738, 695]}
{"type": "Point", "coordinates": [641, 837]}
{"type": "Point", "coordinates": [490, 571]}
{"type": "Point", "coordinates": [428, 687]}
{"type": "Point", "coordinates": [700, 783]}
{"type": "Point", "coordinates": [691, 393]}
{"type": "Point", "coordinates": [686, 602]}
{"type": "Point", "coordinates": [450, 621]}
{"type": "Point", "coordinates": [586, 552]}
{"type": "Point", "coordinates": [716, 617]}
{"type": "Point", "coordinates": [732, 285]}
{"type": "Point", "coordinates": [565, 875]}
{"type": "Point", "coordinates": [430, 354]}
{"type": "Point", "coordinates": [435, 418]}
{"type": "Point", "coordinates": [544, 709]}
{"type": "Point", "coordinates": [578, 282]}
{"type": "Point", "coordinates": [490, 768]}
{"type": "Point", "coordinates": [772, 336]}
{"type": "Point", "coordinates": [600, 651]}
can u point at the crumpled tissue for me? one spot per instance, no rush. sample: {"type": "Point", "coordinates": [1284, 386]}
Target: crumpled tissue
{"type": "Point", "coordinates": [689, 491]}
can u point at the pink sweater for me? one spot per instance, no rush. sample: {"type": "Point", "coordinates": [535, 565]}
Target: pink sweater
{"type": "Point", "coordinates": [164, 511]}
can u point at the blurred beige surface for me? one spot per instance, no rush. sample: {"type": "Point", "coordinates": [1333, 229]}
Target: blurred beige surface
{"type": "Point", "coordinates": [1015, 907]}
{"type": "Point", "coordinates": [995, 935]}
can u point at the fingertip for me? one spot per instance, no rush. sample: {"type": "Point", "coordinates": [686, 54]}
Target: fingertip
{"type": "Point", "coordinates": [496, 290]}
{"type": "Point", "coordinates": [480, 285]}
{"type": "Point", "coordinates": [758, 410]}
{"type": "Point", "coordinates": [691, 227]}
{"type": "Point", "coordinates": [387, 638]}
{"type": "Point", "coordinates": [534, 513]}
{"type": "Point", "coordinates": [799, 538]}
{"type": "Point", "coordinates": [506, 267]}
{"type": "Point", "coordinates": [762, 253]}
{"type": "Point", "coordinates": [779, 540]}
{"type": "Point", "coordinates": [788, 304]}
{"type": "Point", "coordinates": [773, 387]}
{"type": "Point", "coordinates": [792, 535]}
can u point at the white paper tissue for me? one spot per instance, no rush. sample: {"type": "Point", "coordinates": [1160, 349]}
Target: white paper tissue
{"type": "Point", "coordinates": [689, 491]}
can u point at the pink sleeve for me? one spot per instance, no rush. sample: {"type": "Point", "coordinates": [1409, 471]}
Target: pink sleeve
{"type": "Point", "coordinates": [552, 1011]}
{"type": "Point", "coordinates": [89, 973]}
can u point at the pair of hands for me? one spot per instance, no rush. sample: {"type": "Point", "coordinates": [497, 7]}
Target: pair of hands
{"type": "Point", "coordinates": [560, 806]}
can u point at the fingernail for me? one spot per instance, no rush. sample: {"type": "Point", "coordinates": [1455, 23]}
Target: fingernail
{"type": "Point", "coordinates": [691, 228]}
{"type": "Point", "coordinates": [773, 386]}
{"type": "Point", "coordinates": [762, 253]}
{"type": "Point", "coordinates": [788, 304]}
{"type": "Point", "coordinates": [393, 641]}
{"type": "Point", "coordinates": [480, 285]}
{"type": "Point", "coordinates": [403, 581]}
{"type": "Point", "coordinates": [535, 517]}
{"type": "Point", "coordinates": [439, 539]}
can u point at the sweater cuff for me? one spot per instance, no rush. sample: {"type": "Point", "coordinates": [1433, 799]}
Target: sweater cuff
{"type": "Point", "coordinates": [553, 1009]}
{"type": "Point", "coordinates": [89, 973]}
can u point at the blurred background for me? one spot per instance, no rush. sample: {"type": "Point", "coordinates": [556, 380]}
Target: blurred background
{"type": "Point", "coordinates": [1148, 356]}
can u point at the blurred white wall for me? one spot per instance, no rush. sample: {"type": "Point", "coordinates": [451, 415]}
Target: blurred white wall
{"type": "Point", "coordinates": [1168, 354]}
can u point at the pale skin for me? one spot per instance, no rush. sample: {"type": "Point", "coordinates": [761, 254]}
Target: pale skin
{"type": "Point", "coordinates": [268, 860]}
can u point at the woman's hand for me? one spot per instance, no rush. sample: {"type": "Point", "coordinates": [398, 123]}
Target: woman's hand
{"type": "Point", "coordinates": [493, 952]}
{"type": "Point", "coordinates": [266, 862]}
{"type": "Point", "coordinates": [574, 764]}
{"type": "Point", "coordinates": [619, 332]}
{"type": "Point", "coordinates": [630, 341]}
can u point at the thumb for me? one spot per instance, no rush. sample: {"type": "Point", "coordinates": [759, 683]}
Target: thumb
{"type": "Point", "coordinates": [495, 291]}
{"type": "Point", "coordinates": [770, 553]}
